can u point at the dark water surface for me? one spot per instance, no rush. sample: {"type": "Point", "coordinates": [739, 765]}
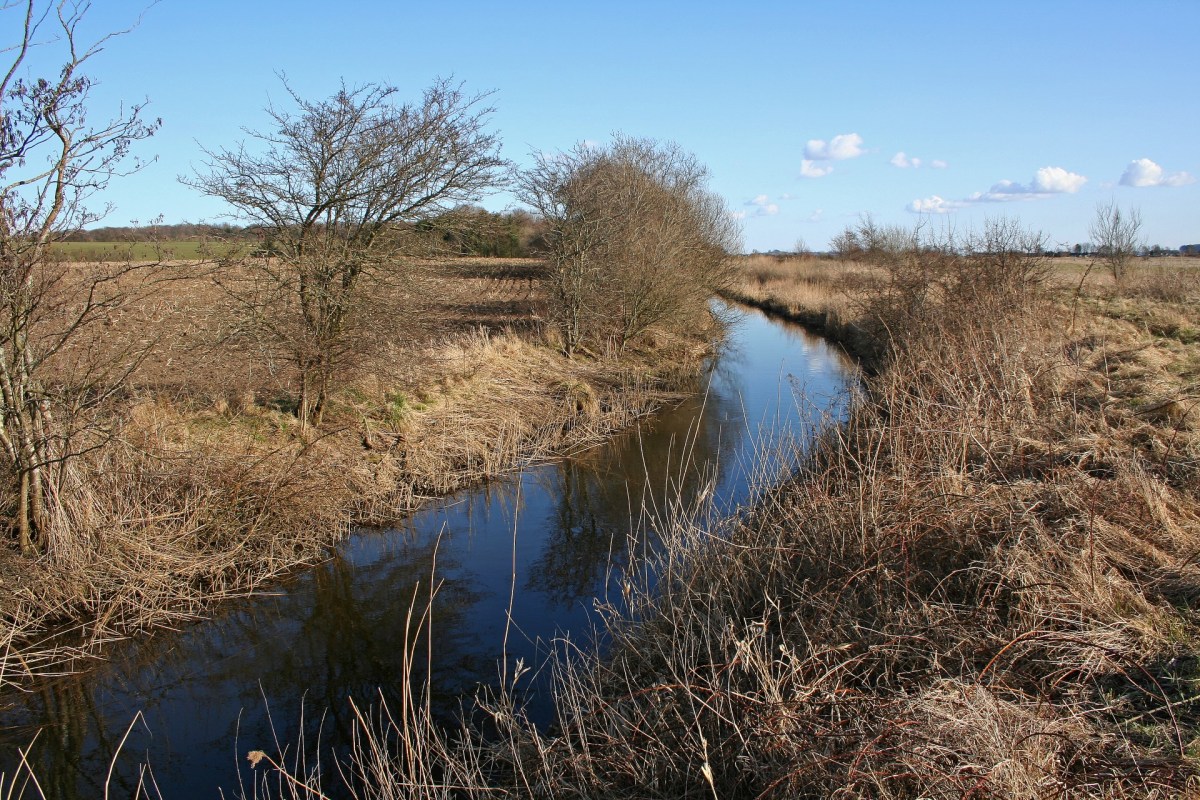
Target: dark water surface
{"type": "Point", "coordinates": [267, 669]}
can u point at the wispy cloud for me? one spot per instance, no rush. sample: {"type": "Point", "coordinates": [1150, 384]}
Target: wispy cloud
{"type": "Point", "coordinates": [839, 148]}
{"type": "Point", "coordinates": [1143, 173]}
{"type": "Point", "coordinates": [763, 207]}
{"type": "Point", "coordinates": [1047, 182]}
{"type": "Point", "coordinates": [905, 161]}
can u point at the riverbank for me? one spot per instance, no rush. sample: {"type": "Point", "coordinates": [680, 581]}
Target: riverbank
{"type": "Point", "coordinates": [820, 295]}
{"type": "Point", "coordinates": [209, 489]}
{"type": "Point", "coordinates": [983, 585]}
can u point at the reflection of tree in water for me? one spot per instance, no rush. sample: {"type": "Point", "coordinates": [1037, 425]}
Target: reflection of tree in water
{"type": "Point", "coordinates": [342, 632]}
{"type": "Point", "coordinates": [362, 622]}
{"type": "Point", "coordinates": [66, 762]}
{"type": "Point", "coordinates": [616, 492]}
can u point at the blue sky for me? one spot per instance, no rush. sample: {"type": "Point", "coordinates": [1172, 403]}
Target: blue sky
{"type": "Point", "coordinates": [808, 115]}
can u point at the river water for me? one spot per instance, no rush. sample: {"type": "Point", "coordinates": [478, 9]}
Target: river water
{"type": "Point", "coordinates": [513, 565]}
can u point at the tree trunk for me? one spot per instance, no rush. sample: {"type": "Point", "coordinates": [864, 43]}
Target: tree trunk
{"type": "Point", "coordinates": [24, 526]}
{"type": "Point", "coordinates": [304, 409]}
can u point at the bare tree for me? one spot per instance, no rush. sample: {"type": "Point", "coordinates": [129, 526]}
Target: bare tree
{"type": "Point", "coordinates": [1117, 235]}
{"type": "Point", "coordinates": [553, 187]}
{"type": "Point", "coordinates": [53, 160]}
{"type": "Point", "coordinates": [634, 241]}
{"type": "Point", "coordinates": [338, 187]}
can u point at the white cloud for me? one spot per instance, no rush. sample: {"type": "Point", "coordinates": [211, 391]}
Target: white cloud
{"type": "Point", "coordinates": [934, 205]}
{"type": "Point", "coordinates": [905, 161]}
{"type": "Point", "coordinates": [839, 148]}
{"type": "Point", "coordinates": [1056, 180]}
{"type": "Point", "coordinates": [1143, 172]}
{"type": "Point", "coordinates": [810, 169]}
{"type": "Point", "coordinates": [1047, 182]}
{"type": "Point", "coordinates": [817, 215]}
{"type": "Point", "coordinates": [738, 214]}
{"type": "Point", "coordinates": [763, 207]}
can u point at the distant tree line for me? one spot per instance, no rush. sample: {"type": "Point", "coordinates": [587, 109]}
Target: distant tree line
{"type": "Point", "coordinates": [467, 231]}
{"type": "Point", "coordinates": [179, 232]}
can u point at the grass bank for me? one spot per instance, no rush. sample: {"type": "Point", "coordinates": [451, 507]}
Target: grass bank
{"type": "Point", "coordinates": [208, 487]}
{"type": "Point", "coordinates": [819, 293]}
{"type": "Point", "coordinates": [983, 585]}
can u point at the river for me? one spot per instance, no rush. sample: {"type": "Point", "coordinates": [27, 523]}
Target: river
{"type": "Point", "coordinates": [512, 564]}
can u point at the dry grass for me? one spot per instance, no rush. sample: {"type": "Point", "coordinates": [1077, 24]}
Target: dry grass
{"type": "Point", "coordinates": [823, 294]}
{"type": "Point", "coordinates": [982, 586]}
{"type": "Point", "coordinates": [804, 283]}
{"type": "Point", "coordinates": [209, 488]}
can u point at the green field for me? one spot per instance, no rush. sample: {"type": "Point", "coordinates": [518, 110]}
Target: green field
{"type": "Point", "coordinates": [144, 251]}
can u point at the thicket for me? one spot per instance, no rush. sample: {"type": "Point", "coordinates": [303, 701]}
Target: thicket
{"type": "Point", "coordinates": [337, 184]}
{"type": "Point", "coordinates": [632, 238]}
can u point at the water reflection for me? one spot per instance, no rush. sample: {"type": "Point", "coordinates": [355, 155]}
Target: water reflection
{"type": "Point", "coordinates": [510, 567]}
{"type": "Point", "coordinates": [348, 628]}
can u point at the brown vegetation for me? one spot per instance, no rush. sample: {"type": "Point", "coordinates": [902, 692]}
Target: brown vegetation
{"type": "Point", "coordinates": [633, 240]}
{"type": "Point", "coordinates": [337, 187]}
{"type": "Point", "coordinates": [818, 292]}
{"type": "Point", "coordinates": [172, 432]}
{"type": "Point", "coordinates": [983, 585]}
{"type": "Point", "coordinates": [209, 487]}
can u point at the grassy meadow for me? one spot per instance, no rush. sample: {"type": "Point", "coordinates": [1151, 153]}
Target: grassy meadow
{"type": "Point", "coordinates": [180, 250]}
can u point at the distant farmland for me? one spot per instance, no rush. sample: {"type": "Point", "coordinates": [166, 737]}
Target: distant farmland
{"type": "Point", "coordinates": [184, 250]}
